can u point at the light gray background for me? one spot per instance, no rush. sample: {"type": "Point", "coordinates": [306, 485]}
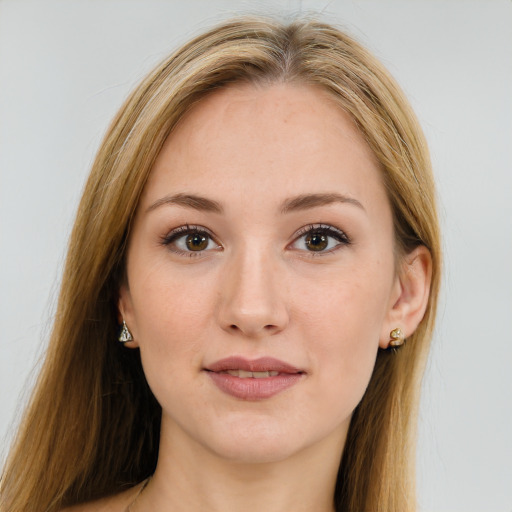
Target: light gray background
{"type": "Point", "coordinates": [66, 66]}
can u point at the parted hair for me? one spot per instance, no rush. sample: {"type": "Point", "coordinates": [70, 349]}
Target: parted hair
{"type": "Point", "coordinates": [91, 428]}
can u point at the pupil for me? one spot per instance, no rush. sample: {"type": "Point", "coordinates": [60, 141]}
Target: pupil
{"type": "Point", "coordinates": [196, 242]}
{"type": "Point", "coordinates": [316, 241]}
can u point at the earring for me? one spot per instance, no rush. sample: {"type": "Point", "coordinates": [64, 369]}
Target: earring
{"type": "Point", "coordinates": [125, 335]}
{"type": "Point", "coordinates": [397, 338]}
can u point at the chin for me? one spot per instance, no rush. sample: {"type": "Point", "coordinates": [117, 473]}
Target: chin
{"type": "Point", "coordinates": [257, 449]}
{"type": "Point", "coordinates": [253, 441]}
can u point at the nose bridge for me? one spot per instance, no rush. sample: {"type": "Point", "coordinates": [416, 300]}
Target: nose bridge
{"type": "Point", "coordinates": [252, 296]}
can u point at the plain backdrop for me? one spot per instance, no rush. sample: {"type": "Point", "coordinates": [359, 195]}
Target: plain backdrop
{"type": "Point", "coordinates": [65, 68]}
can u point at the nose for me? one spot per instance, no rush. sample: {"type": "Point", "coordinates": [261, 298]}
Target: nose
{"type": "Point", "coordinates": [252, 296]}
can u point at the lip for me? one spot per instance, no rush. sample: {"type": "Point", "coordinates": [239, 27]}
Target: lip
{"type": "Point", "coordinates": [253, 388]}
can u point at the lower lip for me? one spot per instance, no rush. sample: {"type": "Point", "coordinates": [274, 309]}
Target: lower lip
{"type": "Point", "coordinates": [251, 388]}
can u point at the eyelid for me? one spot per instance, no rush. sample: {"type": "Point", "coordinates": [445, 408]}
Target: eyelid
{"type": "Point", "coordinates": [176, 233]}
{"type": "Point", "coordinates": [328, 229]}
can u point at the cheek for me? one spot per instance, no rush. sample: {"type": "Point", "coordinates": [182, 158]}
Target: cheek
{"type": "Point", "coordinates": [172, 319]}
{"type": "Point", "coordinates": [347, 305]}
{"type": "Point", "coordinates": [343, 321]}
{"type": "Point", "coordinates": [172, 312]}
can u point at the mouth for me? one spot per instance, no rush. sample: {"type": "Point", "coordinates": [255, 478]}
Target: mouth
{"type": "Point", "coordinates": [256, 379]}
{"type": "Point", "coordinates": [243, 374]}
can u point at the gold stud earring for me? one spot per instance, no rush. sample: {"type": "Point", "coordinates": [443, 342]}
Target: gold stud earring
{"type": "Point", "coordinates": [125, 335]}
{"type": "Point", "coordinates": [397, 338]}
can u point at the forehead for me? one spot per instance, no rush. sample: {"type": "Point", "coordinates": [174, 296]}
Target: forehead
{"type": "Point", "coordinates": [276, 140]}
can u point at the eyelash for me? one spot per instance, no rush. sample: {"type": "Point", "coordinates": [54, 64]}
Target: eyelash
{"type": "Point", "coordinates": [320, 229]}
{"type": "Point", "coordinates": [323, 229]}
{"type": "Point", "coordinates": [182, 231]}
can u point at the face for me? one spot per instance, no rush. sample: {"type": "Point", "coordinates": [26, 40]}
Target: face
{"type": "Point", "coordinates": [260, 273]}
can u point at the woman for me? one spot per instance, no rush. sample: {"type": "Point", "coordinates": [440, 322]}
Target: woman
{"type": "Point", "coordinates": [260, 221]}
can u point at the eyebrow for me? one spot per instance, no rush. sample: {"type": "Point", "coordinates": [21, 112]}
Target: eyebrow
{"type": "Point", "coordinates": [306, 201]}
{"type": "Point", "coordinates": [302, 202]}
{"type": "Point", "coordinates": [189, 201]}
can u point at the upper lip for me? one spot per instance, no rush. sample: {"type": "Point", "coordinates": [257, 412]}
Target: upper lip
{"type": "Point", "coordinates": [262, 364]}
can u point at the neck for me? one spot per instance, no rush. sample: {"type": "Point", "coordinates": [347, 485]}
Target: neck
{"type": "Point", "coordinates": [191, 478]}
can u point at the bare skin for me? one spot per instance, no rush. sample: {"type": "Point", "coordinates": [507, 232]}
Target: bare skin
{"type": "Point", "coordinates": [295, 262]}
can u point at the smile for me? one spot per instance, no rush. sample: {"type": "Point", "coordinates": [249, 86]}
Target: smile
{"type": "Point", "coordinates": [242, 374]}
{"type": "Point", "coordinates": [257, 379]}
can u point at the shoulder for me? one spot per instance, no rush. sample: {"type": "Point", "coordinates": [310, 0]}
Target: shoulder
{"type": "Point", "coordinates": [116, 503]}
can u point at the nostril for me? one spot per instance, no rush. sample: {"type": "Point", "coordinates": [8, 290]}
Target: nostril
{"type": "Point", "coordinates": [269, 328]}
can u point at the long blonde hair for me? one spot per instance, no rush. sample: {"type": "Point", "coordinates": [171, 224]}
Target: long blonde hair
{"type": "Point", "coordinates": [92, 426]}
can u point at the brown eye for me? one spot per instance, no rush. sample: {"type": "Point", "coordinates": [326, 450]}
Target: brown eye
{"type": "Point", "coordinates": [196, 242]}
{"type": "Point", "coordinates": [320, 239]}
{"type": "Point", "coordinates": [316, 241]}
{"type": "Point", "coordinates": [190, 241]}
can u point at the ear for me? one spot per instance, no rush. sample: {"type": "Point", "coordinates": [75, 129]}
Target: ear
{"type": "Point", "coordinates": [410, 294]}
{"type": "Point", "coordinates": [125, 312]}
